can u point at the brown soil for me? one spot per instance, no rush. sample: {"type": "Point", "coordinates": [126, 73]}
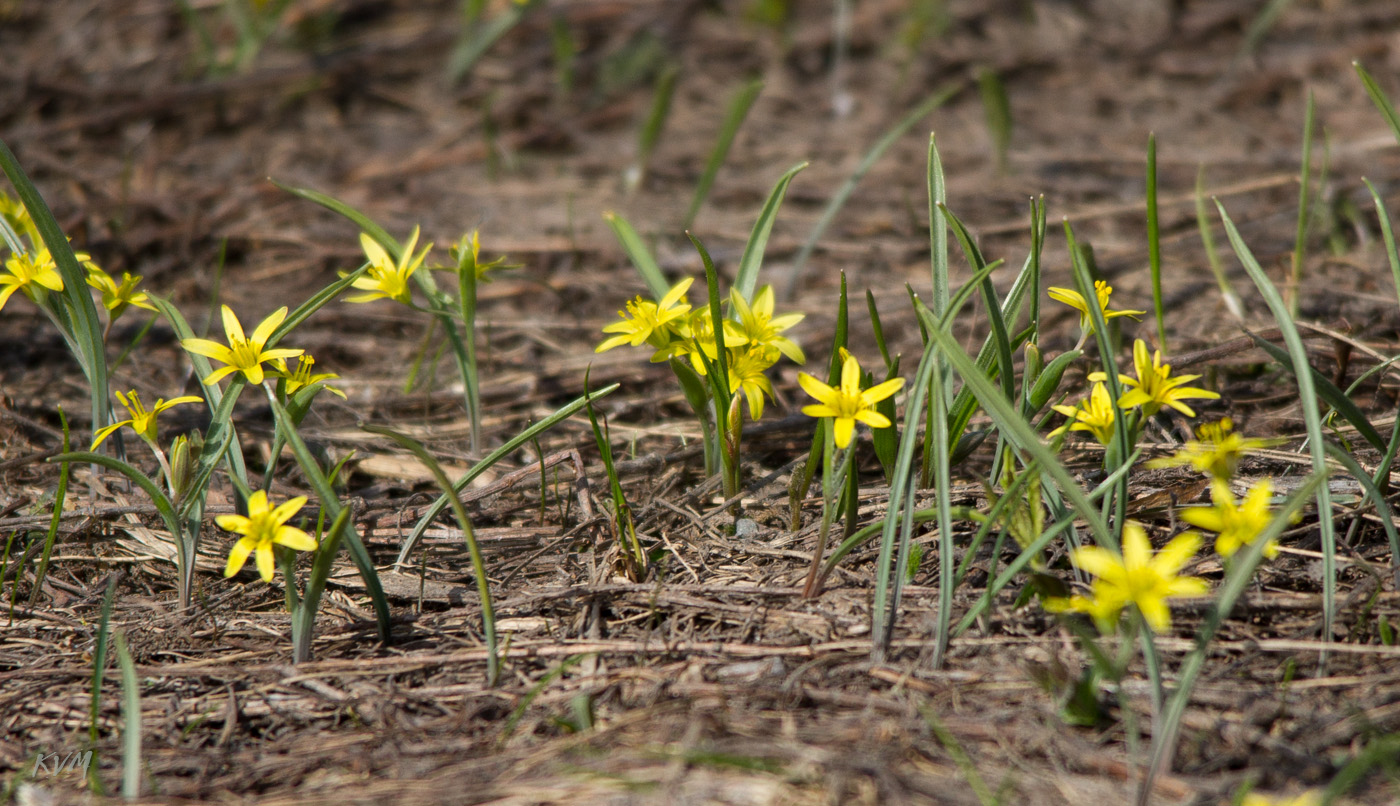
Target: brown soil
{"type": "Point", "coordinates": [710, 681]}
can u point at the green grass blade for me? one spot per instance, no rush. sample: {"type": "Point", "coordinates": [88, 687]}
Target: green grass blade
{"type": "Point", "coordinates": [315, 303]}
{"type": "Point", "coordinates": [997, 109]}
{"type": "Point", "coordinates": [1154, 242]}
{"type": "Point", "coordinates": [59, 496]}
{"type": "Point", "coordinates": [158, 497]}
{"type": "Point", "coordinates": [733, 119]}
{"type": "Point", "coordinates": [131, 719]}
{"type": "Point", "coordinates": [1378, 97]}
{"type": "Point", "coordinates": [1260, 26]}
{"type": "Point", "coordinates": [473, 44]}
{"type": "Point", "coordinates": [1329, 392]}
{"type": "Point", "coordinates": [1004, 413]}
{"type": "Point", "coordinates": [1369, 486]}
{"type": "Point", "coordinates": [937, 229]}
{"type": "Point", "coordinates": [1388, 234]}
{"type": "Point", "coordinates": [78, 304]}
{"type": "Point", "coordinates": [843, 193]}
{"type": "Point", "coordinates": [1304, 181]}
{"type": "Point", "coordinates": [305, 613]}
{"type": "Point", "coordinates": [491, 459]}
{"type": "Point", "coordinates": [330, 504]}
{"type": "Point", "coordinates": [1308, 399]}
{"type": "Point", "coordinates": [650, 133]}
{"type": "Point", "coordinates": [1217, 267]}
{"type": "Point", "coordinates": [746, 280]}
{"type": "Point", "coordinates": [99, 658]}
{"type": "Point", "coordinates": [1001, 342]}
{"type": "Point", "coordinates": [1241, 571]}
{"type": "Point", "coordinates": [483, 584]}
{"type": "Point", "coordinates": [359, 219]}
{"type": "Point", "coordinates": [640, 255]}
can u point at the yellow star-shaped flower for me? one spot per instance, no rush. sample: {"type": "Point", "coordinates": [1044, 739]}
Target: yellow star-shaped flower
{"type": "Point", "coordinates": [34, 268]}
{"type": "Point", "coordinates": [1154, 387]}
{"type": "Point", "coordinates": [242, 354]}
{"type": "Point", "coordinates": [263, 527]}
{"type": "Point", "coordinates": [143, 422]}
{"type": "Point", "coordinates": [647, 322]}
{"type": "Point", "coordinates": [1095, 415]}
{"type": "Point", "coordinates": [386, 279]}
{"type": "Point", "coordinates": [747, 374]}
{"type": "Point", "coordinates": [1216, 450]}
{"type": "Point", "coordinates": [1076, 301]}
{"type": "Point", "coordinates": [1236, 524]}
{"type": "Point", "coordinates": [759, 326]}
{"type": "Point", "coordinates": [848, 402]}
{"type": "Point", "coordinates": [1137, 577]}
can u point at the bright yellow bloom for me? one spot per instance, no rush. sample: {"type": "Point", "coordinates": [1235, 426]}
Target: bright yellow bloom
{"type": "Point", "coordinates": [243, 354]}
{"type": "Point", "coordinates": [116, 298]}
{"type": "Point", "coordinates": [759, 326]}
{"type": "Point", "coordinates": [386, 279]}
{"type": "Point", "coordinates": [34, 268]}
{"type": "Point", "coordinates": [1236, 524]}
{"type": "Point", "coordinates": [263, 527]}
{"type": "Point", "coordinates": [697, 338]}
{"type": "Point", "coordinates": [1216, 451]}
{"type": "Point", "coordinates": [654, 323]}
{"type": "Point", "coordinates": [1137, 577]}
{"type": "Point", "coordinates": [848, 403]}
{"type": "Point", "coordinates": [14, 212]}
{"type": "Point", "coordinates": [1311, 797]}
{"type": "Point", "coordinates": [143, 422]}
{"type": "Point", "coordinates": [746, 374]}
{"type": "Point", "coordinates": [1076, 301]}
{"type": "Point", "coordinates": [302, 376]}
{"type": "Point", "coordinates": [1154, 387]}
{"type": "Point", "coordinates": [1095, 415]}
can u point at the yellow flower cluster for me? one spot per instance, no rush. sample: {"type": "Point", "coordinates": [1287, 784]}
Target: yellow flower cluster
{"type": "Point", "coordinates": [752, 340]}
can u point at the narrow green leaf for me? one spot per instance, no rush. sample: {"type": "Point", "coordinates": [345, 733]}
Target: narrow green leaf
{"type": "Point", "coordinates": [641, 257]}
{"type": "Point", "coordinates": [1154, 243]}
{"type": "Point", "coordinates": [1304, 212]}
{"type": "Point", "coordinates": [131, 722]}
{"type": "Point", "coordinates": [1378, 97]}
{"type": "Point", "coordinates": [733, 119]}
{"type": "Point", "coordinates": [746, 280]}
{"type": "Point", "coordinates": [1328, 391]}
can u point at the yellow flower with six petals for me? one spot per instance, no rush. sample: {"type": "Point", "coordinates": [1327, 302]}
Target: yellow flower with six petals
{"type": "Point", "coordinates": [35, 268]}
{"type": "Point", "coordinates": [263, 527]}
{"type": "Point", "coordinates": [1137, 577]}
{"type": "Point", "coordinates": [1154, 387]}
{"type": "Point", "coordinates": [143, 422]}
{"type": "Point", "coordinates": [385, 278]}
{"type": "Point", "coordinates": [1095, 415]}
{"type": "Point", "coordinates": [117, 297]}
{"type": "Point", "coordinates": [759, 326]}
{"type": "Point", "coordinates": [647, 322]}
{"type": "Point", "coordinates": [1216, 450]}
{"type": "Point", "coordinates": [848, 402]}
{"type": "Point", "coordinates": [747, 374]}
{"type": "Point", "coordinates": [1236, 524]}
{"type": "Point", "coordinates": [243, 353]}
{"type": "Point", "coordinates": [1076, 301]}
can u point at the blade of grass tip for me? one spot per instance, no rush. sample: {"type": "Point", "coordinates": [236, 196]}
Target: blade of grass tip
{"type": "Point", "coordinates": [1004, 414]}
{"type": "Point", "coordinates": [1307, 395]}
{"type": "Point", "coordinates": [1037, 246]}
{"type": "Point", "coordinates": [1154, 242]}
{"type": "Point", "coordinates": [843, 193]}
{"type": "Point", "coordinates": [483, 584]}
{"type": "Point", "coordinates": [650, 132]}
{"type": "Point", "coordinates": [639, 254]}
{"type": "Point", "coordinates": [60, 494]}
{"type": "Point", "coordinates": [1295, 278]}
{"type": "Point", "coordinates": [942, 484]}
{"type": "Point", "coordinates": [733, 119]}
{"type": "Point", "coordinates": [77, 298]}
{"type": "Point", "coordinates": [131, 722]}
{"type": "Point", "coordinates": [491, 459]}
{"type": "Point", "coordinates": [1328, 391]}
{"type": "Point", "coordinates": [330, 504]}
{"type": "Point", "coordinates": [1260, 26]}
{"type": "Point", "coordinates": [1217, 267]}
{"type": "Point", "coordinates": [937, 229]}
{"type": "Point", "coordinates": [1241, 570]}
{"type": "Point", "coordinates": [746, 280]}
{"type": "Point", "coordinates": [721, 380]}
{"type": "Point", "coordinates": [1378, 97]}
{"type": "Point", "coordinates": [473, 44]}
